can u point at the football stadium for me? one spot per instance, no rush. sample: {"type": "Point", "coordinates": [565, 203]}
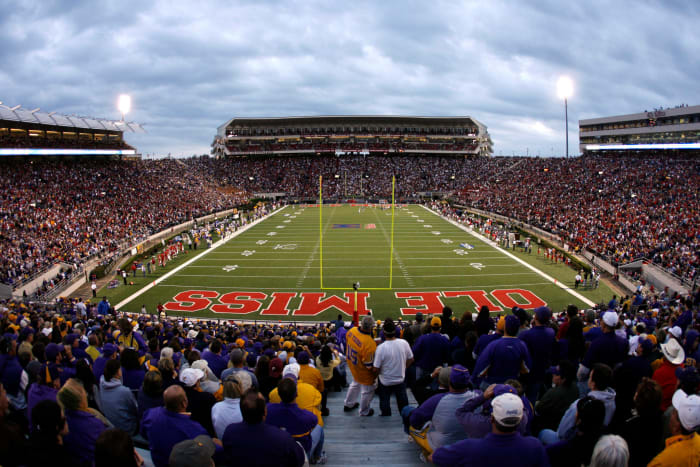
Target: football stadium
{"type": "Point", "coordinates": [349, 288]}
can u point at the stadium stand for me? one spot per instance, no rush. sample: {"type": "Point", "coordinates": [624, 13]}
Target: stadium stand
{"type": "Point", "coordinates": [637, 352]}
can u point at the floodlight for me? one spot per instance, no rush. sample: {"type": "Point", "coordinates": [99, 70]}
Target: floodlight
{"type": "Point", "coordinates": [565, 87]}
{"type": "Point", "coordinates": [124, 104]}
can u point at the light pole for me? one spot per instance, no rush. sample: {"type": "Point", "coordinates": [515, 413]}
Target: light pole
{"type": "Point", "coordinates": [124, 104]}
{"type": "Point", "coordinates": [565, 88]}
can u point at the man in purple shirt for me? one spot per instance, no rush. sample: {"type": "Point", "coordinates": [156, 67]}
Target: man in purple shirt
{"type": "Point", "coordinates": [430, 350]}
{"type": "Point", "coordinates": [212, 355]}
{"type": "Point", "coordinates": [301, 424]}
{"type": "Point", "coordinates": [83, 426]}
{"type": "Point", "coordinates": [503, 359]}
{"type": "Point", "coordinates": [254, 442]}
{"type": "Point", "coordinates": [503, 446]}
{"type": "Point", "coordinates": [164, 427]}
{"type": "Point", "coordinates": [542, 346]}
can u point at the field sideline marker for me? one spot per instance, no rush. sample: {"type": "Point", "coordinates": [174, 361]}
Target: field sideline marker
{"type": "Point", "coordinates": [507, 253]}
{"type": "Point", "coordinates": [190, 261]}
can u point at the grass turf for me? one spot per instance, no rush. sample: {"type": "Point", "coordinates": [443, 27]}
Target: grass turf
{"type": "Point", "coordinates": [273, 270]}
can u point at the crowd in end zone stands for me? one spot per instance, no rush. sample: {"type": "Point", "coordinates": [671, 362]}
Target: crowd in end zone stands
{"type": "Point", "coordinates": [53, 211]}
{"type": "Point", "coordinates": [614, 386]}
{"type": "Point", "coordinates": [622, 208]}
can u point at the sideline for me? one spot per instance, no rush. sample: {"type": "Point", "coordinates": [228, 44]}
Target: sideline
{"type": "Point", "coordinates": [512, 256]}
{"type": "Point", "coordinates": [190, 261]}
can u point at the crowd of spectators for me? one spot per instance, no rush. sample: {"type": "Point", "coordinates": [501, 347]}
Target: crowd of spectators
{"type": "Point", "coordinates": [622, 208]}
{"type": "Point", "coordinates": [613, 386]}
{"type": "Point", "coordinates": [66, 211]}
{"type": "Point", "coordinates": [41, 142]}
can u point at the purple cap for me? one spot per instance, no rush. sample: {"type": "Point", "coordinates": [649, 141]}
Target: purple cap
{"type": "Point", "coordinates": [512, 324]}
{"type": "Point", "coordinates": [459, 375]}
{"type": "Point", "coordinates": [543, 314]}
{"type": "Point", "coordinates": [504, 389]}
{"type": "Point", "coordinates": [303, 358]}
{"type": "Point", "coordinates": [52, 350]}
{"type": "Point", "coordinates": [688, 375]}
{"type": "Point", "coordinates": [109, 349]}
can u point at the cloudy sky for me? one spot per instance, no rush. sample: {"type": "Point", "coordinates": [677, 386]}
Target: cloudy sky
{"type": "Point", "coordinates": [190, 66]}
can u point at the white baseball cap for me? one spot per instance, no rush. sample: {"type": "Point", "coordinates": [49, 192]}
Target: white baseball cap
{"type": "Point", "coordinates": [507, 409]}
{"type": "Point", "coordinates": [291, 369]}
{"type": "Point", "coordinates": [688, 408]}
{"type": "Point", "coordinates": [610, 318]}
{"type": "Point", "coordinates": [190, 376]}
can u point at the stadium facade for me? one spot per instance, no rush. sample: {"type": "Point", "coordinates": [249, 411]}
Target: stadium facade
{"type": "Point", "coordinates": [672, 129]}
{"type": "Point", "coordinates": [34, 133]}
{"type": "Point", "coordinates": [355, 135]}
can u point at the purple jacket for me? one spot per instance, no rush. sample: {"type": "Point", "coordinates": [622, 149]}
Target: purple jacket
{"type": "Point", "coordinates": [84, 429]}
{"type": "Point", "coordinates": [164, 429]}
{"type": "Point", "coordinates": [295, 421]}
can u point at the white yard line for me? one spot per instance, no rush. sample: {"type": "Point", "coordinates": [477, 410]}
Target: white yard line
{"type": "Point", "coordinates": [509, 254]}
{"type": "Point", "coordinates": [188, 262]}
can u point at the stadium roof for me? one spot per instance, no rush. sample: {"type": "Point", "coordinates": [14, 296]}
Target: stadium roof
{"type": "Point", "coordinates": [331, 119]}
{"type": "Point", "coordinates": [18, 114]}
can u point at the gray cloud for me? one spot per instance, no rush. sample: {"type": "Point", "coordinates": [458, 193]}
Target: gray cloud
{"type": "Point", "coordinates": [191, 66]}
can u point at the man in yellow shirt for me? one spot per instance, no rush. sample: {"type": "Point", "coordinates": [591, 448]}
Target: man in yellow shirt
{"type": "Point", "coordinates": [683, 446]}
{"type": "Point", "coordinates": [361, 348]}
{"type": "Point", "coordinates": [308, 397]}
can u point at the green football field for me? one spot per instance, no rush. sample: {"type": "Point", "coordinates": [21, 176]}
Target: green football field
{"type": "Point", "coordinates": [300, 263]}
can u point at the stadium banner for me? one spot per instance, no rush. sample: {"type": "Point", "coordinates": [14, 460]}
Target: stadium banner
{"type": "Point", "coordinates": [278, 304]}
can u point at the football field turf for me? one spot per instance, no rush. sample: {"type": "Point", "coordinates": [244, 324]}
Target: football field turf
{"type": "Point", "coordinates": [300, 263]}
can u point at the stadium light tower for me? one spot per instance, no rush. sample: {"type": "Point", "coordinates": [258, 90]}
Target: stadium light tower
{"type": "Point", "coordinates": [124, 104]}
{"type": "Point", "coordinates": [565, 87]}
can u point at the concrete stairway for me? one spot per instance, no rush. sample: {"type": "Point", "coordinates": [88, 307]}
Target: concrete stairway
{"type": "Point", "coordinates": [351, 440]}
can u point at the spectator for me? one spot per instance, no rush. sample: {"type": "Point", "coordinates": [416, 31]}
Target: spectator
{"type": "Point", "coordinates": [326, 362]}
{"type": "Point", "coordinates": [643, 432]}
{"type": "Point", "coordinates": [196, 452]}
{"type": "Point", "coordinates": [599, 385]}
{"type": "Point", "coordinates": [83, 426]}
{"type": "Point", "coordinates": [212, 355]}
{"type": "Point", "coordinates": [542, 347]}
{"type": "Point", "coordinates": [308, 397]}
{"type": "Point", "coordinates": [665, 375]}
{"type": "Point", "coordinates": [114, 448]}
{"type": "Point", "coordinates": [237, 362]}
{"type": "Point", "coordinates": [361, 348]}
{"type": "Point", "coordinates": [264, 375]}
{"type": "Point", "coordinates": [475, 414]}
{"type": "Point", "coordinates": [483, 322]}
{"type": "Point", "coordinates": [578, 449]}
{"type": "Point", "coordinates": [109, 352]}
{"type": "Point", "coordinates": [550, 409]}
{"type": "Point", "coordinates": [12, 434]}
{"type": "Point", "coordinates": [391, 359]}
{"type": "Point", "coordinates": [610, 451]}
{"type": "Point", "coordinates": [609, 349]}
{"type": "Point", "coordinates": [132, 371]}
{"type": "Point", "coordinates": [200, 403]}
{"type": "Point", "coordinates": [117, 401]}
{"type": "Point", "coordinates": [431, 350]}
{"type": "Point", "coordinates": [209, 383]}
{"type": "Point", "coordinates": [253, 442]}
{"type": "Point", "coordinates": [46, 441]}
{"type": "Point", "coordinates": [683, 447]}
{"type": "Point", "coordinates": [151, 393]}
{"type": "Point", "coordinates": [227, 411]}
{"type": "Point", "coordinates": [309, 374]}
{"type": "Point", "coordinates": [503, 358]}
{"type": "Point", "coordinates": [440, 410]}
{"type": "Point", "coordinates": [301, 424]}
{"type": "Point", "coordinates": [166, 426]}
{"type": "Point", "coordinates": [503, 446]}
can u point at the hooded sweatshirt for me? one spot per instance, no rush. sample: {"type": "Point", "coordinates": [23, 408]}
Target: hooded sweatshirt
{"type": "Point", "coordinates": [567, 426]}
{"type": "Point", "coordinates": [118, 404]}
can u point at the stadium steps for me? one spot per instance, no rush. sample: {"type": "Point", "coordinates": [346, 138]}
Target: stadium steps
{"type": "Point", "coordinates": [351, 440]}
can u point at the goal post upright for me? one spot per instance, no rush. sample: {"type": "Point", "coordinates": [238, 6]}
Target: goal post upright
{"type": "Point", "coordinates": [391, 249]}
{"type": "Point", "coordinates": [320, 226]}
